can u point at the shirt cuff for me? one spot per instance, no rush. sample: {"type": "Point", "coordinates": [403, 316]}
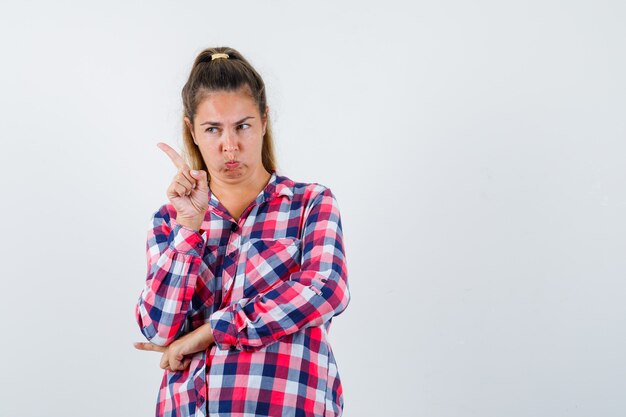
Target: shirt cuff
{"type": "Point", "coordinates": [187, 241]}
{"type": "Point", "coordinates": [224, 329]}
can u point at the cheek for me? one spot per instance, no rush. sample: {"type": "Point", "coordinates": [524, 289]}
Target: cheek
{"type": "Point", "coordinates": [251, 142]}
{"type": "Point", "coordinates": [209, 151]}
{"type": "Point", "coordinates": [258, 139]}
{"type": "Point", "coordinates": [209, 145]}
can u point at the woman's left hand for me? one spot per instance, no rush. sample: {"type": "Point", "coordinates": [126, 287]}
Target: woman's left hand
{"type": "Point", "coordinates": [173, 358]}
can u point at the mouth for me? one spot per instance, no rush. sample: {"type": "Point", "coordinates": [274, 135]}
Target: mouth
{"type": "Point", "coordinates": [232, 165]}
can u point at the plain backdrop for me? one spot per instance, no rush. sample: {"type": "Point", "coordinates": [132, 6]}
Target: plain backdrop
{"type": "Point", "coordinates": [476, 149]}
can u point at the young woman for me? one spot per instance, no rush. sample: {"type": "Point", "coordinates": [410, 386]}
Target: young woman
{"type": "Point", "coordinates": [246, 268]}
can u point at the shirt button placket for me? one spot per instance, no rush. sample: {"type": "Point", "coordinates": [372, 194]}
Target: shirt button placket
{"type": "Point", "coordinates": [233, 249]}
{"type": "Point", "coordinates": [235, 239]}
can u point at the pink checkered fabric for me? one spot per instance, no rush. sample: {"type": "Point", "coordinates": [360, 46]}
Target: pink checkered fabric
{"type": "Point", "coordinates": [269, 284]}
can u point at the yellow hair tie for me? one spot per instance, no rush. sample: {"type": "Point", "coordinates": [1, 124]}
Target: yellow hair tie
{"type": "Point", "coordinates": [217, 56]}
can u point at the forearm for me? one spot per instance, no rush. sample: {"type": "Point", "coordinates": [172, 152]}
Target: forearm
{"type": "Point", "coordinates": [204, 336]}
{"type": "Point", "coordinates": [305, 300]}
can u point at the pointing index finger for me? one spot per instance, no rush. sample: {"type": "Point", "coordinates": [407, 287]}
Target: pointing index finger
{"type": "Point", "coordinates": [149, 346]}
{"type": "Point", "coordinates": [174, 156]}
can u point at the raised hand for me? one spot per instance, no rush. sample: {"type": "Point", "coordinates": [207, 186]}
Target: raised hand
{"type": "Point", "coordinates": [188, 192]}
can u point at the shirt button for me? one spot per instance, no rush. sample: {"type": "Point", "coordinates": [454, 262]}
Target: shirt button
{"type": "Point", "coordinates": [233, 227]}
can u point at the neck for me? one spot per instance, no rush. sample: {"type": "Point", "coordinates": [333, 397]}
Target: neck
{"type": "Point", "coordinates": [249, 186]}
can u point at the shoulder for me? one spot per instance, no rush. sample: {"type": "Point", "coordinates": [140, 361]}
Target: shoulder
{"type": "Point", "coordinates": [313, 198]}
{"type": "Point", "coordinates": [305, 191]}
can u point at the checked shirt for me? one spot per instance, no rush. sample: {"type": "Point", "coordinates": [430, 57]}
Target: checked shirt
{"type": "Point", "coordinates": [269, 284]}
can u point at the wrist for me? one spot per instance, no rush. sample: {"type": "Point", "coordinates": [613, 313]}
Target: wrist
{"type": "Point", "coordinates": [206, 334]}
{"type": "Point", "coordinates": [194, 224]}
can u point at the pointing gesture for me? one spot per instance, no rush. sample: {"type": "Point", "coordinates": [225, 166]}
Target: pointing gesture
{"type": "Point", "coordinates": [176, 356]}
{"type": "Point", "coordinates": [188, 192]}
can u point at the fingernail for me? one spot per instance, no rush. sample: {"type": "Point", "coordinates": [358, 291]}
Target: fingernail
{"type": "Point", "coordinates": [194, 172]}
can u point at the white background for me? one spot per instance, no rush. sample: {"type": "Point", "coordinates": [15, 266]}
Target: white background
{"type": "Point", "coordinates": [476, 149]}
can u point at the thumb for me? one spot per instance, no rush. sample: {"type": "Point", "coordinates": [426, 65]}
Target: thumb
{"type": "Point", "coordinates": [200, 175]}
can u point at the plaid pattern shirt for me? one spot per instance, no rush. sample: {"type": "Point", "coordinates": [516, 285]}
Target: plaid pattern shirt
{"type": "Point", "coordinates": [269, 284]}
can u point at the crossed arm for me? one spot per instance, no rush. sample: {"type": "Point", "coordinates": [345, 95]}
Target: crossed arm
{"type": "Point", "coordinates": [173, 358]}
{"type": "Point", "coordinates": [310, 297]}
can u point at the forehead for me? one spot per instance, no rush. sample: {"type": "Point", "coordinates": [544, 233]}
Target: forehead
{"type": "Point", "coordinates": [226, 106]}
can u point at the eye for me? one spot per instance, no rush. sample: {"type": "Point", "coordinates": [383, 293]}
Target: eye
{"type": "Point", "coordinates": [208, 129]}
{"type": "Point", "coordinates": [247, 126]}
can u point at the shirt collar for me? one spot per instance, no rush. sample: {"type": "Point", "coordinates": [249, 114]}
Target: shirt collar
{"type": "Point", "coordinates": [277, 186]}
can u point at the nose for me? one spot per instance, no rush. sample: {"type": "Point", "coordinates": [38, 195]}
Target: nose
{"type": "Point", "coordinates": [229, 146]}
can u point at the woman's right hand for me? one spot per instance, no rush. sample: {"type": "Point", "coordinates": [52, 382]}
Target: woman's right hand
{"type": "Point", "coordinates": [188, 193]}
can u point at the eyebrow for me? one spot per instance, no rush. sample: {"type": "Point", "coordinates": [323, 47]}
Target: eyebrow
{"type": "Point", "coordinates": [219, 124]}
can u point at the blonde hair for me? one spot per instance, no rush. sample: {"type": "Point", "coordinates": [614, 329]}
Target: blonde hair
{"type": "Point", "coordinates": [231, 74]}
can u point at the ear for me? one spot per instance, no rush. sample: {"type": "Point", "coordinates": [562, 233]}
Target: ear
{"type": "Point", "coordinates": [190, 127]}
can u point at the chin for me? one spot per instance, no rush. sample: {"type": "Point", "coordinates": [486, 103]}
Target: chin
{"type": "Point", "coordinates": [232, 173]}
